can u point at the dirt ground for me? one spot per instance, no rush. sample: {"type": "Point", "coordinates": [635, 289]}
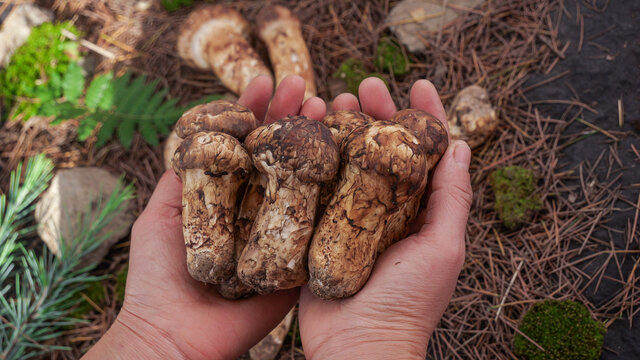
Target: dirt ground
{"type": "Point", "coordinates": [602, 66]}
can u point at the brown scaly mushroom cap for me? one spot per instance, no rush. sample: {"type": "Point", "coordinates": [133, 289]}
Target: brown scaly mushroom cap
{"type": "Point", "coordinates": [343, 122]}
{"type": "Point", "coordinates": [280, 29]}
{"type": "Point", "coordinates": [384, 167]}
{"type": "Point", "coordinates": [212, 166]}
{"type": "Point", "coordinates": [295, 154]}
{"type": "Point", "coordinates": [298, 145]}
{"type": "Point", "coordinates": [214, 37]}
{"type": "Point", "coordinates": [220, 116]}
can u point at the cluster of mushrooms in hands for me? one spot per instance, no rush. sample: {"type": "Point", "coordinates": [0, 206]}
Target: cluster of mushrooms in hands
{"type": "Point", "coordinates": [300, 200]}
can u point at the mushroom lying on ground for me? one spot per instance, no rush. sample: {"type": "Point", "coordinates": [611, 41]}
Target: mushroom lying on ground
{"type": "Point", "coordinates": [384, 168]}
{"type": "Point", "coordinates": [214, 37]}
{"type": "Point", "coordinates": [212, 166]}
{"type": "Point", "coordinates": [296, 154]}
{"type": "Point", "coordinates": [471, 117]}
{"type": "Point", "coordinates": [279, 28]}
{"type": "Point", "coordinates": [433, 137]}
{"type": "Point", "coordinates": [341, 123]}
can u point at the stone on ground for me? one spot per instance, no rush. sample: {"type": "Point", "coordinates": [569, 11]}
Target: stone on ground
{"type": "Point", "coordinates": [17, 27]}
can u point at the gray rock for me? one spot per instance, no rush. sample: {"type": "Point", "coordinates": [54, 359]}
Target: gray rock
{"type": "Point", "coordinates": [412, 20]}
{"type": "Point", "coordinates": [72, 193]}
{"type": "Point", "coordinates": [17, 27]}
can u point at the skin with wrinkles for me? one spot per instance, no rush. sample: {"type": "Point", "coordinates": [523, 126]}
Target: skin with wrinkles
{"type": "Point", "coordinates": [385, 167]}
{"type": "Point", "coordinates": [471, 117]}
{"type": "Point", "coordinates": [214, 37]}
{"type": "Point", "coordinates": [433, 137]}
{"type": "Point", "coordinates": [341, 123]}
{"type": "Point", "coordinates": [295, 154]}
{"type": "Point", "coordinates": [219, 115]}
{"type": "Point", "coordinates": [251, 202]}
{"type": "Point", "coordinates": [212, 166]}
{"type": "Point", "coordinates": [279, 28]}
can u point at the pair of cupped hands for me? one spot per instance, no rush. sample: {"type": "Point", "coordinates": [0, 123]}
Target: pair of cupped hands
{"type": "Point", "coordinates": [166, 314]}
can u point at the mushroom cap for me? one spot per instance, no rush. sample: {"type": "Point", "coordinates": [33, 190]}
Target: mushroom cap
{"type": "Point", "coordinates": [220, 116]}
{"type": "Point", "coordinates": [295, 145]}
{"type": "Point", "coordinates": [342, 122]}
{"type": "Point", "coordinates": [275, 14]}
{"type": "Point", "coordinates": [471, 117]}
{"type": "Point", "coordinates": [216, 153]}
{"type": "Point", "coordinates": [205, 24]}
{"type": "Point", "coordinates": [390, 150]}
{"type": "Point", "coordinates": [428, 129]}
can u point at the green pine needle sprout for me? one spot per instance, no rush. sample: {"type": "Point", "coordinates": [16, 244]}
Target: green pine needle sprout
{"type": "Point", "coordinates": [38, 291]}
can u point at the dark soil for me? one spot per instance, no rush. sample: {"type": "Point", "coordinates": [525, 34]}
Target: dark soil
{"type": "Point", "coordinates": [600, 69]}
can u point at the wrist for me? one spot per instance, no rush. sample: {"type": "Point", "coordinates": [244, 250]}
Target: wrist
{"type": "Point", "coordinates": [367, 344]}
{"type": "Point", "coordinates": [131, 337]}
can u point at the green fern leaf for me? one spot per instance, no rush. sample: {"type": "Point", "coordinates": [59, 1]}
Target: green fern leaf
{"type": "Point", "coordinates": [87, 125]}
{"type": "Point", "coordinates": [126, 130]}
{"type": "Point", "coordinates": [106, 131]}
{"type": "Point", "coordinates": [73, 82]}
{"type": "Point", "coordinates": [149, 132]}
{"type": "Point", "coordinates": [100, 92]}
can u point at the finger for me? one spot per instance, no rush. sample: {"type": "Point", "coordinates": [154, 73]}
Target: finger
{"type": "Point", "coordinates": [375, 99]}
{"type": "Point", "coordinates": [287, 100]}
{"type": "Point", "coordinates": [447, 212]}
{"type": "Point", "coordinates": [314, 108]}
{"type": "Point", "coordinates": [257, 95]}
{"type": "Point", "coordinates": [166, 200]}
{"type": "Point", "coordinates": [345, 101]}
{"type": "Point", "coordinates": [424, 96]}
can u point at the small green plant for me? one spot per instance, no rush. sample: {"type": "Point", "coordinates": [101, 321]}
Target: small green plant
{"type": "Point", "coordinates": [391, 58]}
{"type": "Point", "coordinates": [513, 188]}
{"type": "Point", "coordinates": [353, 71]}
{"type": "Point", "coordinates": [39, 291]}
{"type": "Point", "coordinates": [121, 283]}
{"type": "Point", "coordinates": [42, 59]}
{"type": "Point", "coordinates": [120, 105]}
{"type": "Point", "coordinates": [173, 5]}
{"type": "Point", "coordinates": [94, 293]}
{"type": "Point", "coordinates": [564, 329]}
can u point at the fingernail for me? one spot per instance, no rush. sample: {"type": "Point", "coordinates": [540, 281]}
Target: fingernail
{"type": "Point", "coordinates": [462, 154]}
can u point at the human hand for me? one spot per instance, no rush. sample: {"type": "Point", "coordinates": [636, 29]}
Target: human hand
{"type": "Point", "coordinates": [411, 284]}
{"type": "Point", "coordinates": [166, 314]}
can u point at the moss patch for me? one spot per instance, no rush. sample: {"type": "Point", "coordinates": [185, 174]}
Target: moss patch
{"type": "Point", "coordinates": [95, 292]}
{"type": "Point", "coordinates": [390, 58]}
{"type": "Point", "coordinates": [514, 198]}
{"type": "Point", "coordinates": [353, 71]}
{"type": "Point", "coordinates": [564, 329]}
{"type": "Point", "coordinates": [43, 58]}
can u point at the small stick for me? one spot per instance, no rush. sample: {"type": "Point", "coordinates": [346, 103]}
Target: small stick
{"type": "Point", "coordinates": [504, 297]}
{"type": "Point", "coordinates": [89, 45]}
{"type": "Point", "coordinates": [620, 113]}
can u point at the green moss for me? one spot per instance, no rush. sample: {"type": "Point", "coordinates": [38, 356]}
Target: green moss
{"type": "Point", "coordinates": [44, 57]}
{"type": "Point", "coordinates": [121, 282]}
{"type": "Point", "coordinates": [353, 71]}
{"type": "Point", "coordinates": [95, 292]}
{"type": "Point", "coordinates": [514, 195]}
{"type": "Point", "coordinates": [564, 329]}
{"type": "Point", "coordinates": [173, 5]}
{"type": "Point", "coordinates": [390, 58]}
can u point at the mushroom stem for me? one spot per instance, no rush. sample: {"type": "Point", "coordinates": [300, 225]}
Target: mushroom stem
{"type": "Point", "coordinates": [251, 202]}
{"type": "Point", "coordinates": [276, 255]}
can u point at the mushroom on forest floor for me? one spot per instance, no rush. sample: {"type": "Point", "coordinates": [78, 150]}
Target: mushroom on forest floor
{"type": "Point", "coordinates": [385, 167]}
{"type": "Point", "coordinates": [471, 117]}
{"type": "Point", "coordinates": [296, 154]}
{"type": "Point", "coordinates": [279, 28]}
{"type": "Point", "coordinates": [214, 37]}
